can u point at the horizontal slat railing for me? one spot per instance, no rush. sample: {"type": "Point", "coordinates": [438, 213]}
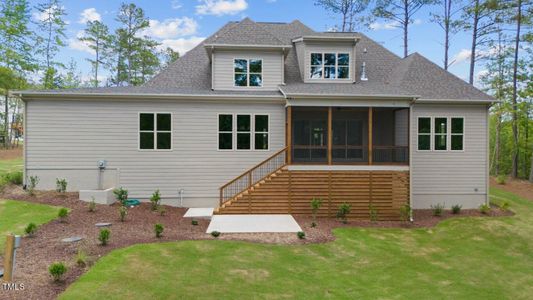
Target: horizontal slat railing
{"type": "Point", "coordinates": [249, 178]}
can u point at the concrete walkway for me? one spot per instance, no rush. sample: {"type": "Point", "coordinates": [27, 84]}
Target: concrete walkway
{"type": "Point", "coordinates": [253, 223]}
{"type": "Point", "coordinates": [199, 213]}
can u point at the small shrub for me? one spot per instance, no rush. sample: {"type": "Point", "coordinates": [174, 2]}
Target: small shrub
{"type": "Point", "coordinates": [155, 199]}
{"type": "Point", "coordinates": [456, 209]}
{"type": "Point", "coordinates": [92, 205]}
{"type": "Point", "coordinates": [405, 212]}
{"type": "Point", "coordinates": [501, 179]}
{"type": "Point", "coordinates": [194, 222]}
{"type": "Point", "coordinates": [437, 209]}
{"type": "Point", "coordinates": [81, 258]}
{"type": "Point", "coordinates": [313, 224]}
{"type": "Point", "coordinates": [161, 210]}
{"type": "Point", "coordinates": [158, 228]}
{"type": "Point", "coordinates": [316, 203]}
{"type": "Point", "coordinates": [301, 235]}
{"type": "Point", "coordinates": [61, 185]}
{"type": "Point", "coordinates": [484, 208]}
{"type": "Point", "coordinates": [32, 184]}
{"type": "Point", "coordinates": [344, 210]}
{"type": "Point", "coordinates": [215, 233]}
{"type": "Point", "coordinates": [104, 236]}
{"type": "Point", "coordinates": [373, 213]}
{"type": "Point", "coordinates": [31, 229]}
{"type": "Point", "coordinates": [15, 177]}
{"type": "Point", "coordinates": [57, 270]}
{"type": "Point", "coordinates": [123, 212]}
{"type": "Point", "coordinates": [62, 214]}
{"type": "Point", "coordinates": [121, 194]}
{"type": "Point", "coordinates": [504, 205]}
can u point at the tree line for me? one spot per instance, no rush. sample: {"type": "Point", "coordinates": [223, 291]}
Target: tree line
{"type": "Point", "coordinates": [500, 39]}
{"type": "Point", "coordinates": [29, 50]}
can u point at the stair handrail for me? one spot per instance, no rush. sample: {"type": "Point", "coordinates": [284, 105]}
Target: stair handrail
{"type": "Point", "coordinates": [276, 165]}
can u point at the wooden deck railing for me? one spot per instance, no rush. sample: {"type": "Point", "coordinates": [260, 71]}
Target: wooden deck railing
{"type": "Point", "coordinates": [249, 178]}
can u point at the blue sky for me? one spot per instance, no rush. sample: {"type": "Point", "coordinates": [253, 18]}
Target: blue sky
{"type": "Point", "coordinates": [183, 23]}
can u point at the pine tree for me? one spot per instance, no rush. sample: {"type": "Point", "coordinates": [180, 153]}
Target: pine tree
{"type": "Point", "coordinates": [15, 36]}
{"type": "Point", "coordinates": [52, 27]}
{"type": "Point", "coordinates": [97, 37]}
{"type": "Point", "coordinates": [449, 22]}
{"type": "Point", "coordinates": [400, 12]}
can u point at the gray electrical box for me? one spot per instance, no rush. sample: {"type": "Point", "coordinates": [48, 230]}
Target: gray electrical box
{"type": "Point", "coordinates": [102, 164]}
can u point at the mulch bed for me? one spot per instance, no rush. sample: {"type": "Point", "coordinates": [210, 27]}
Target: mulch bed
{"type": "Point", "coordinates": [37, 253]}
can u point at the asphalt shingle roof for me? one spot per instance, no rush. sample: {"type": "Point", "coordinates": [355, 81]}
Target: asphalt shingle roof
{"type": "Point", "coordinates": [387, 73]}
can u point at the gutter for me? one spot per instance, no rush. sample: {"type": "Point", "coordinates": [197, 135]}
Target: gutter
{"type": "Point", "coordinates": [294, 96]}
{"type": "Point", "coordinates": [144, 96]}
{"type": "Point", "coordinates": [457, 101]}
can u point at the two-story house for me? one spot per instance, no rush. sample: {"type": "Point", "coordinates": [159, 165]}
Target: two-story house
{"type": "Point", "coordinates": [262, 117]}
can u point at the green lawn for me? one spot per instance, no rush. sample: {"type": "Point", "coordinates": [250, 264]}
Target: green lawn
{"type": "Point", "coordinates": [465, 258]}
{"type": "Point", "coordinates": [15, 215]}
{"type": "Point", "coordinates": [11, 165]}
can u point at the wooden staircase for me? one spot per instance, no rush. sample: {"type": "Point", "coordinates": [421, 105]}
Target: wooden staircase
{"type": "Point", "coordinates": [286, 191]}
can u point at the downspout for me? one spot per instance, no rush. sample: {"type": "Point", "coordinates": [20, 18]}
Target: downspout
{"type": "Point", "coordinates": [411, 160]}
{"type": "Point", "coordinates": [487, 160]}
{"type": "Point", "coordinates": [25, 143]}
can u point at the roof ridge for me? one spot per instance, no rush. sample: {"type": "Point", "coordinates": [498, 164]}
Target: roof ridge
{"type": "Point", "coordinates": [253, 23]}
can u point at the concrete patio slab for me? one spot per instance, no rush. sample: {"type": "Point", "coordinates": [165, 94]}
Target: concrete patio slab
{"type": "Point", "coordinates": [200, 213]}
{"type": "Point", "coordinates": [253, 223]}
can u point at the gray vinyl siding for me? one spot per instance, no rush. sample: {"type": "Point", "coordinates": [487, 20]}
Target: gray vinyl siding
{"type": "Point", "coordinates": [328, 48]}
{"type": "Point", "coordinates": [223, 69]}
{"type": "Point", "coordinates": [451, 177]}
{"type": "Point", "coordinates": [300, 55]}
{"type": "Point", "coordinates": [65, 139]}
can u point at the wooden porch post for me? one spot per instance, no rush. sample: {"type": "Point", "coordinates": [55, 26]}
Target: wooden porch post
{"type": "Point", "coordinates": [370, 146]}
{"type": "Point", "coordinates": [330, 136]}
{"type": "Point", "coordinates": [288, 134]}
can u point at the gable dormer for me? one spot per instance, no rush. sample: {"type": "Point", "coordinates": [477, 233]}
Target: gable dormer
{"type": "Point", "coordinates": [327, 58]}
{"type": "Point", "coordinates": [246, 57]}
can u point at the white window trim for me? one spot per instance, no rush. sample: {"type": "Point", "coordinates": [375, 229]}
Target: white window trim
{"type": "Point", "coordinates": [261, 132]}
{"type": "Point", "coordinates": [234, 132]}
{"type": "Point", "coordinates": [448, 133]}
{"type": "Point", "coordinates": [155, 131]}
{"type": "Point", "coordinates": [231, 132]}
{"type": "Point", "coordinates": [430, 133]}
{"type": "Point", "coordinates": [323, 65]}
{"type": "Point", "coordinates": [247, 86]}
{"type": "Point", "coordinates": [462, 134]}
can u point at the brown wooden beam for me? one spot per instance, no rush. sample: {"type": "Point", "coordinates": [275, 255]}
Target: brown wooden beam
{"type": "Point", "coordinates": [370, 132]}
{"type": "Point", "coordinates": [330, 135]}
{"type": "Point", "coordinates": [288, 134]}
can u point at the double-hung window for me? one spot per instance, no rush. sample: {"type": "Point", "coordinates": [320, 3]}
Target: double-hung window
{"type": "Point", "coordinates": [243, 131]}
{"type": "Point", "coordinates": [155, 131]}
{"type": "Point", "coordinates": [330, 66]}
{"type": "Point", "coordinates": [424, 133]}
{"type": "Point", "coordinates": [248, 72]}
{"type": "Point", "coordinates": [441, 133]}
{"type": "Point", "coordinates": [457, 134]}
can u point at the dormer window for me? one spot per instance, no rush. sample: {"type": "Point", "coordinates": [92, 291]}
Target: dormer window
{"type": "Point", "coordinates": [330, 66]}
{"type": "Point", "coordinates": [248, 72]}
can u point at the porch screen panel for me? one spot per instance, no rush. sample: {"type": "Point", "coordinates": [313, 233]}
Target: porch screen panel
{"type": "Point", "coordinates": [390, 135]}
{"type": "Point", "coordinates": [310, 135]}
{"type": "Point", "coordinates": [350, 135]}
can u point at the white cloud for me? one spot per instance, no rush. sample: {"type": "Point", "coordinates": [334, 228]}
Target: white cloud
{"type": "Point", "coordinates": [181, 45]}
{"type": "Point", "coordinates": [462, 56]}
{"type": "Point", "coordinates": [89, 14]}
{"type": "Point", "coordinates": [76, 44]}
{"type": "Point", "coordinates": [41, 16]}
{"type": "Point", "coordinates": [171, 28]}
{"type": "Point", "coordinates": [221, 7]}
{"type": "Point", "coordinates": [176, 4]}
{"type": "Point", "coordinates": [384, 26]}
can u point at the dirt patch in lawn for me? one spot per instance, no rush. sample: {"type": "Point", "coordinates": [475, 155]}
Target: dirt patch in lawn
{"type": "Point", "coordinates": [6, 154]}
{"type": "Point", "coordinates": [37, 253]}
{"type": "Point", "coordinates": [522, 188]}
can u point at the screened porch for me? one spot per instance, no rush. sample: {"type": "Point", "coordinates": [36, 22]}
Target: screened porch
{"type": "Point", "coordinates": [346, 135]}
